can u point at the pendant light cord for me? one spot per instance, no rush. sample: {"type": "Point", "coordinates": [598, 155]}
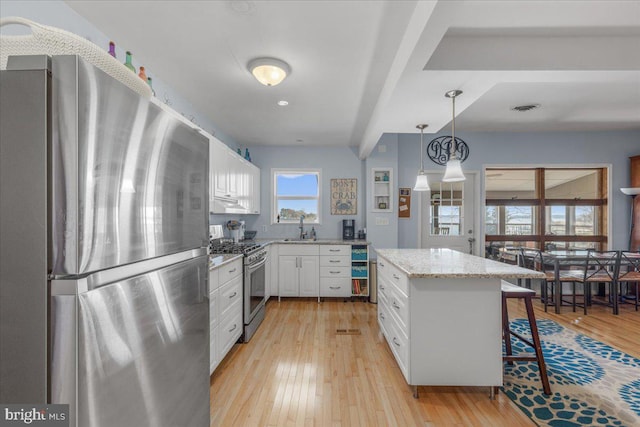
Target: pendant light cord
{"type": "Point", "coordinates": [421, 150]}
{"type": "Point", "coordinates": [453, 130]}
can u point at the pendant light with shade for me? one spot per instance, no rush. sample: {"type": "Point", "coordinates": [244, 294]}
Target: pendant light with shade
{"type": "Point", "coordinates": [422, 184]}
{"type": "Point", "coordinates": [453, 172]}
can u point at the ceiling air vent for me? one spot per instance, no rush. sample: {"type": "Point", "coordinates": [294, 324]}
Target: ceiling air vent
{"type": "Point", "coordinates": [527, 107]}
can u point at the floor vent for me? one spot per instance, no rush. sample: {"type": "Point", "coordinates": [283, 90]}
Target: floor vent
{"type": "Point", "coordinates": [348, 332]}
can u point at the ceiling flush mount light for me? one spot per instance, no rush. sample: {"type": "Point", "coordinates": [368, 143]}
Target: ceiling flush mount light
{"type": "Point", "coordinates": [453, 172]}
{"type": "Point", "coordinates": [269, 71]}
{"type": "Point", "coordinates": [422, 184]}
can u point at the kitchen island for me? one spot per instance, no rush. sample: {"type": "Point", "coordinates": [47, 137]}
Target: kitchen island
{"type": "Point", "coordinates": [440, 312]}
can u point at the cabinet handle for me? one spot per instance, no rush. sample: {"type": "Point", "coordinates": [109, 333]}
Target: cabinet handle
{"type": "Point", "coordinates": [334, 260]}
{"type": "Point", "coordinates": [235, 325]}
{"type": "Point", "coordinates": [233, 295]}
{"type": "Point", "coordinates": [233, 271]}
{"type": "Point", "coordinates": [382, 288]}
{"type": "Point", "coordinates": [395, 276]}
{"type": "Point", "coordinates": [381, 264]}
{"type": "Point", "coordinates": [382, 316]}
{"type": "Point", "coordinates": [335, 287]}
{"type": "Point", "coordinates": [395, 342]}
{"type": "Point", "coordinates": [334, 272]}
{"type": "Point", "coordinates": [334, 250]}
{"type": "Point", "coordinates": [396, 306]}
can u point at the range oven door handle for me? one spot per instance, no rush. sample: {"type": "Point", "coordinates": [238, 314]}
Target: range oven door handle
{"type": "Point", "coordinates": [253, 267]}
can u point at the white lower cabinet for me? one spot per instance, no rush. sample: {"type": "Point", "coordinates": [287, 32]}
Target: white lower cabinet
{"type": "Point", "coordinates": [335, 271]}
{"type": "Point", "coordinates": [428, 351]}
{"type": "Point", "coordinates": [298, 271]}
{"type": "Point", "coordinates": [225, 310]}
{"type": "Point", "coordinates": [273, 263]}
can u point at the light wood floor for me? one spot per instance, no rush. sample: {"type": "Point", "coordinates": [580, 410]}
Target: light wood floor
{"type": "Point", "coordinates": [296, 371]}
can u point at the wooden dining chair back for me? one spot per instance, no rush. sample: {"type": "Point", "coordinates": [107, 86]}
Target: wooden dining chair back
{"type": "Point", "coordinates": [534, 259]}
{"type": "Point", "coordinates": [629, 271]}
{"type": "Point", "coordinates": [601, 267]}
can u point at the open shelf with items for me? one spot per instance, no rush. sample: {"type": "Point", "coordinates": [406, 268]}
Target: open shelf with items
{"type": "Point", "coordinates": [382, 184]}
{"type": "Point", "coordinates": [359, 270]}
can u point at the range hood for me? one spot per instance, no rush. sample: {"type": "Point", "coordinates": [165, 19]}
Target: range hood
{"type": "Point", "coordinates": [227, 205]}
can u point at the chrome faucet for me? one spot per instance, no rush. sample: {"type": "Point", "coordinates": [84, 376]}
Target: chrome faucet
{"type": "Point", "coordinates": [301, 227]}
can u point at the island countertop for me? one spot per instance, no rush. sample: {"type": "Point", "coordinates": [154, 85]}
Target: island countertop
{"type": "Point", "coordinates": [447, 263]}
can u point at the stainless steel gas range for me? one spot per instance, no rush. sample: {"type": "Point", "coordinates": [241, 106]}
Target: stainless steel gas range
{"type": "Point", "coordinates": [255, 259]}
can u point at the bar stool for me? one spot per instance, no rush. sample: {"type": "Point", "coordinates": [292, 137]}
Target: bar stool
{"type": "Point", "coordinates": [512, 291]}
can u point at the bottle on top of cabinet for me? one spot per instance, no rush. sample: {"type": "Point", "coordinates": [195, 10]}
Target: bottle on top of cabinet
{"type": "Point", "coordinates": [142, 74]}
{"type": "Point", "coordinates": [149, 82]}
{"type": "Point", "coordinates": [112, 49]}
{"type": "Point", "coordinates": [128, 63]}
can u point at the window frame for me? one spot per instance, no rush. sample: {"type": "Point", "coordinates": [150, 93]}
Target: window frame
{"type": "Point", "coordinates": [274, 195]}
{"type": "Point", "coordinates": [540, 203]}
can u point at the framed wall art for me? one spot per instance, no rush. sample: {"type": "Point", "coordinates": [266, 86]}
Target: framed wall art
{"type": "Point", "coordinates": [344, 196]}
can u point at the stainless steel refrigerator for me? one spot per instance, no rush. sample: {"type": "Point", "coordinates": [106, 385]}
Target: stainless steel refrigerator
{"type": "Point", "coordinates": [103, 234]}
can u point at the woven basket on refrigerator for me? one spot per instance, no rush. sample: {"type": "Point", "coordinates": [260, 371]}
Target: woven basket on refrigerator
{"type": "Point", "coordinates": [45, 40]}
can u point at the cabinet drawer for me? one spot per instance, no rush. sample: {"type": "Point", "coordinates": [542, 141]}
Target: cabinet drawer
{"type": "Point", "coordinates": [230, 270]}
{"type": "Point", "coordinates": [399, 345]}
{"type": "Point", "coordinates": [301, 249]}
{"type": "Point", "coordinates": [335, 272]}
{"type": "Point", "coordinates": [230, 294]}
{"type": "Point", "coordinates": [230, 330]}
{"type": "Point", "coordinates": [214, 279]}
{"type": "Point", "coordinates": [383, 317]}
{"type": "Point", "coordinates": [339, 287]}
{"type": "Point", "coordinates": [395, 276]}
{"type": "Point", "coordinates": [335, 261]}
{"type": "Point", "coordinates": [335, 250]}
{"type": "Point", "coordinates": [384, 288]}
{"type": "Point", "coordinates": [214, 307]}
{"type": "Point", "coordinates": [399, 308]}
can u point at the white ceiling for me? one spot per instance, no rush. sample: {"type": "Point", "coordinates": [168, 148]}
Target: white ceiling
{"type": "Point", "coordinates": [363, 68]}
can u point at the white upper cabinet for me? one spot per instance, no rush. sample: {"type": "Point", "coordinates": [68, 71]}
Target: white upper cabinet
{"type": "Point", "coordinates": [254, 189]}
{"type": "Point", "coordinates": [233, 179]}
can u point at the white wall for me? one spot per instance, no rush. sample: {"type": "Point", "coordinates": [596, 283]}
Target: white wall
{"type": "Point", "coordinates": [335, 162]}
{"type": "Point", "coordinates": [537, 148]}
{"type": "Point", "coordinates": [384, 155]}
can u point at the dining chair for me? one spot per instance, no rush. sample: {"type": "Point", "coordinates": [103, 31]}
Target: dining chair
{"type": "Point", "coordinates": [533, 259]}
{"type": "Point", "coordinates": [599, 267]}
{"type": "Point", "coordinates": [629, 272]}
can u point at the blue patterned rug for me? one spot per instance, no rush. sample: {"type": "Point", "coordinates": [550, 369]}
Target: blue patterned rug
{"type": "Point", "coordinates": [592, 384]}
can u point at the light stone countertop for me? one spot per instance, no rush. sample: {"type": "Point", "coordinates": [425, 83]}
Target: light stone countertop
{"type": "Point", "coordinates": [218, 260]}
{"type": "Point", "coordinates": [267, 241]}
{"type": "Point", "coordinates": [447, 263]}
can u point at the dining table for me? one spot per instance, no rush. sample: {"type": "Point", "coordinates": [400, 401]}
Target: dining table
{"type": "Point", "coordinates": [564, 259]}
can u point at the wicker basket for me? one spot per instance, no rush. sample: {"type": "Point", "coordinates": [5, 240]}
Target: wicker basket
{"type": "Point", "coordinates": [45, 40]}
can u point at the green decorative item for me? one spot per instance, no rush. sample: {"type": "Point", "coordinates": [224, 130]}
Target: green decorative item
{"type": "Point", "coordinates": [127, 62]}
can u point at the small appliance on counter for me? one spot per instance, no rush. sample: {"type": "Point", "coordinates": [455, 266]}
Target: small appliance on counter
{"type": "Point", "coordinates": [362, 234]}
{"type": "Point", "coordinates": [348, 229]}
{"type": "Point", "coordinates": [236, 229]}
